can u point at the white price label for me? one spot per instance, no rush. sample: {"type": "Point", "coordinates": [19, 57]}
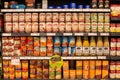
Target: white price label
{"type": "Point", "coordinates": [35, 34]}
{"type": "Point", "coordinates": [79, 34]}
{"type": "Point", "coordinates": [104, 34]}
{"type": "Point", "coordinates": [6, 34]}
{"type": "Point", "coordinates": [67, 34]}
{"type": "Point", "coordinates": [101, 57]}
{"type": "Point", "coordinates": [92, 34]}
{"type": "Point", "coordinates": [50, 34]}
{"type": "Point", "coordinates": [15, 60]}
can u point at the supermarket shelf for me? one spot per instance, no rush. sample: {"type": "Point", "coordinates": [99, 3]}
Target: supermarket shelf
{"type": "Point", "coordinates": [64, 58]}
{"type": "Point", "coordinates": [115, 19]}
{"type": "Point", "coordinates": [55, 10]}
{"type": "Point", "coordinates": [12, 10]}
{"type": "Point", "coordinates": [56, 34]}
{"type": "Point", "coordinates": [115, 34]}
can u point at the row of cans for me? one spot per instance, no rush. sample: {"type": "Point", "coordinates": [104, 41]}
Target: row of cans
{"type": "Point", "coordinates": [57, 17]}
{"type": "Point", "coordinates": [27, 27]}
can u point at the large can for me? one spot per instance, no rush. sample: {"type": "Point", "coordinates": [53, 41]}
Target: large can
{"type": "Point", "coordinates": [28, 17]}
{"type": "Point", "coordinates": [48, 17]}
{"type": "Point", "coordinates": [55, 27]}
{"type": "Point", "coordinates": [42, 27]}
{"type": "Point", "coordinates": [55, 17]}
{"type": "Point", "coordinates": [8, 27]}
{"type": "Point", "coordinates": [21, 27]}
{"type": "Point", "coordinates": [8, 17]}
{"type": "Point", "coordinates": [42, 17]}
{"type": "Point", "coordinates": [49, 27]}
{"type": "Point", "coordinates": [68, 17]}
{"type": "Point", "coordinates": [68, 27]}
{"type": "Point", "coordinates": [35, 27]}
{"type": "Point", "coordinates": [21, 17]}
{"type": "Point", "coordinates": [61, 17]}
{"type": "Point", "coordinates": [15, 27]}
{"type": "Point", "coordinates": [62, 27]}
{"type": "Point", "coordinates": [34, 17]}
{"type": "Point", "coordinates": [28, 27]}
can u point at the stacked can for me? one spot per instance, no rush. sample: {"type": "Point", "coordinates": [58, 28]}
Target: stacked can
{"type": "Point", "coordinates": [23, 46]}
{"type": "Point", "coordinates": [105, 69]}
{"type": "Point", "coordinates": [45, 69]}
{"type": "Point", "coordinates": [113, 47]}
{"type": "Point", "coordinates": [86, 69]}
{"type": "Point", "coordinates": [79, 69]}
{"type": "Point", "coordinates": [30, 46]}
{"type": "Point", "coordinates": [10, 46]}
{"type": "Point", "coordinates": [98, 72]}
{"type": "Point", "coordinates": [57, 45]}
{"type": "Point", "coordinates": [66, 74]}
{"type": "Point", "coordinates": [92, 70]}
{"type": "Point", "coordinates": [6, 69]}
{"type": "Point", "coordinates": [39, 74]}
{"type": "Point", "coordinates": [17, 46]}
{"type": "Point", "coordinates": [36, 46]}
{"type": "Point", "coordinates": [24, 69]}
{"type": "Point", "coordinates": [49, 46]}
{"type": "Point", "coordinates": [112, 70]}
{"type": "Point", "coordinates": [18, 71]}
{"type": "Point", "coordinates": [33, 69]}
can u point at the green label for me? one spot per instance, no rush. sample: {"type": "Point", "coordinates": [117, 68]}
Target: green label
{"type": "Point", "coordinates": [56, 61]}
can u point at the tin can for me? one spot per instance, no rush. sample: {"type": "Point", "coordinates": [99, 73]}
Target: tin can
{"type": "Point", "coordinates": [28, 17]}
{"type": "Point", "coordinates": [21, 27]}
{"type": "Point", "coordinates": [8, 27]}
{"type": "Point", "coordinates": [42, 17]}
{"type": "Point", "coordinates": [34, 17]}
{"type": "Point", "coordinates": [35, 27]}
{"type": "Point", "coordinates": [15, 27]}
{"type": "Point", "coordinates": [21, 17]}
{"type": "Point", "coordinates": [8, 17]}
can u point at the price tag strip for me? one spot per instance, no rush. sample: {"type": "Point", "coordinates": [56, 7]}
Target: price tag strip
{"type": "Point", "coordinates": [6, 34]}
{"type": "Point", "coordinates": [15, 60]}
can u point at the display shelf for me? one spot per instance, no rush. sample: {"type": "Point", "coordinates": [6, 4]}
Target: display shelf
{"type": "Point", "coordinates": [114, 57]}
{"type": "Point", "coordinates": [55, 10]}
{"type": "Point", "coordinates": [115, 19]}
{"type": "Point", "coordinates": [12, 10]}
{"type": "Point", "coordinates": [64, 58]}
{"type": "Point", "coordinates": [115, 34]}
{"type": "Point", "coordinates": [57, 34]}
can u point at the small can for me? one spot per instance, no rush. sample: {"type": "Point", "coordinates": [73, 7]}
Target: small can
{"type": "Point", "coordinates": [55, 27]}
{"type": "Point", "coordinates": [49, 26]}
{"type": "Point", "coordinates": [87, 18]}
{"type": "Point", "coordinates": [28, 27]}
{"type": "Point", "coordinates": [61, 17]}
{"type": "Point", "coordinates": [34, 17]}
{"type": "Point", "coordinates": [68, 17]}
{"type": "Point", "coordinates": [81, 27]}
{"type": "Point", "coordinates": [8, 17]}
{"type": "Point", "coordinates": [8, 27]}
{"type": "Point", "coordinates": [15, 27]}
{"type": "Point", "coordinates": [57, 51]}
{"type": "Point", "coordinates": [57, 41]}
{"type": "Point", "coordinates": [43, 41]}
{"type": "Point", "coordinates": [72, 51]}
{"type": "Point", "coordinates": [55, 17]}
{"type": "Point", "coordinates": [35, 27]}
{"type": "Point", "coordinates": [74, 17]}
{"type": "Point", "coordinates": [28, 17]}
{"type": "Point", "coordinates": [48, 17]}
{"type": "Point", "coordinates": [49, 41]}
{"type": "Point", "coordinates": [106, 27]}
{"type": "Point", "coordinates": [107, 17]}
{"type": "Point", "coordinates": [81, 17]}
{"type": "Point", "coordinates": [71, 41]}
{"type": "Point", "coordinates": [113, 27]}
{"type": "Point", "coordinates": [100, 4]}
{"type": "Point", "coordinates": [68, 27]}
{"type": "Point", "coordinates": [87, 27]}
{"type": "Point", "coordinates": [21, 17]}
{"type": "Point", "coordinates": [61, 27]}
{"type": "Point", "coordinates": [64, 41]}
{"type": "Point", "coordinates": [43, 51]}
{"type": "Point", "coordinates": [42, 27]}
{"type": "Point", "coordinates": [49, 51]}
{"type": "Point", "coordinates": [75, 27]}
{"type": "Point", "coordinates": [94, 27]}
{"type": "Point", "coordinates": [100, 17]}
{"type": "Point", "coordinates": [42, 17]}
{"type": "Point", "coordinates": [118, 27]}
{"type": "Point", "coordinates": [100, 27]}
{"type": "Point", "coordinates": [15, 17]}
{"type": "Point", "coordinates": [64, 51]}
{"type": "Point", "coordinates": [94, 17]}
{"type": "Point", "coordinates": [21, 27]}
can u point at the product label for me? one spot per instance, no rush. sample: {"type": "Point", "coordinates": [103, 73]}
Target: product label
{"type": "Point", "coordinates": [106, 50]}
{"type": "Point", "coordinates": [79, 50]}
{"type": "Point", "coordinates": [55, 17]}
{"type": "Point", "coordinates": [55, 27]}
{"type": "Point", "coordinates": [62, 17]}
{"type": "Point", "coordinates": [48, 16]}
{"type": "Point", "coordinates": [99, 50]}
{"type": "Point", "coordinates": [81, 17]}
{"type": "Point", "coordinates": [100, 27]}
{"type": "Point", "coordinates": [85, 50]}
{"type": "Point", "coordinates": [42, 17]}
{"type": "Point", "coordinates": [87, 27]}
{"type": "Point", "coordinates": [15, 17]}
{"type": "Point", "coordinates": [34, 16]}
{"type": "Point", "coordinates": [94, 27]}
{"type": "Point", "coordinates": [21, 27]}
{"type": "Point", "coordinates": [42, 27]}
{"type": "Point", "coordinates": [49, 27]}
{"type": "Point", "coordinates": [62, 27]}
{"type": "Point", "coordinates": [68, 17]}
{"type": "Point", "coordinates": [21, 17]}
{"type": "Point", "coordinates": [92, 50]}
{"type": "Point", "coordinates": [68, 27]}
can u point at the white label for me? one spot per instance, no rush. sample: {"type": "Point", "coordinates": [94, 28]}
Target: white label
{"type": "Point", "coordinates": [78, 50]}
{"type": "Point", "coordinates": [99, 50]}
{"type": "Point", "coordinates": [15, 61]}
{"type": "Point", "coordinates": [106, 50]}
{"type": "Point", "coordinates": [85, 50]}
{"type": "Point", "coordinates": [92, 50]}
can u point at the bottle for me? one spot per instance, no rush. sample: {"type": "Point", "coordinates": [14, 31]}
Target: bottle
{"type": "Point", "coordinates": [85, 46]}
{"type": "Point", "coordinates": [92, 46]}
{"type": "Point", "coordinates": [79, 46]}
{"type": "Point", "coordinates": [99, 46]}
{"type": "Point", "coordinates": [106, 46]}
